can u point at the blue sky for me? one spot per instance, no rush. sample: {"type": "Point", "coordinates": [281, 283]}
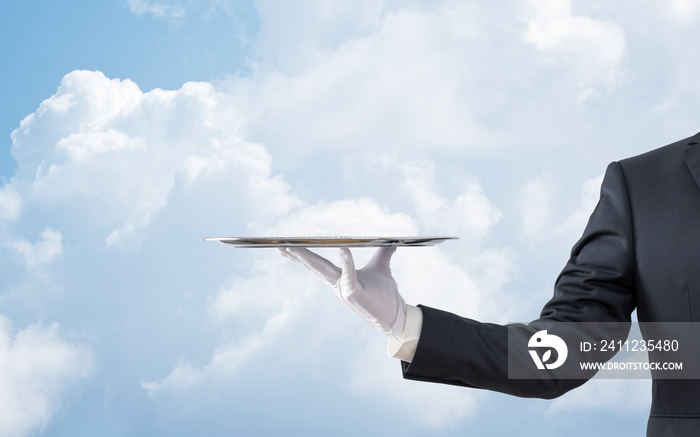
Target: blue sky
{"type": "Point", "coordinates": [131, 129]}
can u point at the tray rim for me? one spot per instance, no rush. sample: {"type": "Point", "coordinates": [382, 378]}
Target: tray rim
{"type": "Point", "coordinates": [331, 241]}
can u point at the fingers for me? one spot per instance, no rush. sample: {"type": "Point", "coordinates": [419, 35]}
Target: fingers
{"type": "Point", "coordinates": [284, 253]}
{"type": "Point", "coordinates": [348, 276]}
{"type": "Point", "coordinates": [346, 260]}
{"type": "Point", "coordinates": [317, 264]}
{"type": "Point", "coordinates": [381, 260]}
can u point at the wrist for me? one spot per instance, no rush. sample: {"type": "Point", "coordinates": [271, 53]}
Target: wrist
{"type": "Point", "coordinates": [404, 348]}
{"type": "Point", "coordinates": [397, 328]}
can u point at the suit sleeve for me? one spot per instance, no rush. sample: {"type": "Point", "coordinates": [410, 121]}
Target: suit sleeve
{"type": "Point", "coordinates": [596, 285]}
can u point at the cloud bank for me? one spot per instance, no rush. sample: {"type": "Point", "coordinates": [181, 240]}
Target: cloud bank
{"type": "Point", "coordinates": [487, 122]}
{"type": "Point", "coordinates": [36, 367]}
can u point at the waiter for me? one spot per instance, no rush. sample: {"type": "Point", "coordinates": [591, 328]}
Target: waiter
{"type": "Point", "coordinates": [640, 250]}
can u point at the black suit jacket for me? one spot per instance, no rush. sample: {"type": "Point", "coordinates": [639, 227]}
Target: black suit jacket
{"type": "Point", "coordinates": [640, 249]}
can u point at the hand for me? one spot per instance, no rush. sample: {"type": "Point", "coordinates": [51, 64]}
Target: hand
{"type": "Point", "coordinates": [371, 291]}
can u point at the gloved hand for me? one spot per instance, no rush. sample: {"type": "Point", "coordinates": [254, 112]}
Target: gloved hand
{"type": "Point", "coordinates": [370, 291]}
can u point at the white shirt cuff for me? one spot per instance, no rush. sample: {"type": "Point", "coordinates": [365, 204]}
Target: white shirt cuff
{"type": "Point", "coordinates": [406, 348]}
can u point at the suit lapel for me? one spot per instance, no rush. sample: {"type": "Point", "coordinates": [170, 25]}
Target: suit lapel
{"type": "Point", "coordinates": [691, 156]}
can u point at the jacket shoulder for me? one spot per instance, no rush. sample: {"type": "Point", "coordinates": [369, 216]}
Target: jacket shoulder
{"type": "Point", "coordinates": [660, 160]}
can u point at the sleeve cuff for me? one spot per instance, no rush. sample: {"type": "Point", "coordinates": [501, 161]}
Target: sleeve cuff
{"type": "Point", "coordinates": [406, 348]}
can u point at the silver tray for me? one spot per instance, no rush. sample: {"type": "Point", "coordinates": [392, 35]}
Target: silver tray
{"type": "Point", "coordinates": [247, 242]}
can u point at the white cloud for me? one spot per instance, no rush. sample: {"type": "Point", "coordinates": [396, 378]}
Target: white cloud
{"type": "Point", "coordinates": [418, 79]}
{"type": "Point", "coordinates": [470, 214]}
{"type": "Point", "coordinates": [10, 202]}
{"type": "Point", "coordinates": [595, 48]}
{"type": "Point", "coordinates": [222, 364]}
{"type": "Point", "coordinates": [116, 154]}
{"type": "Point", "coordinates": [82, 146]}
{"type": "Point", "coordinates": [351, 217]}
{"type": "Point", "coordinates": [175, 12]}
{"type": "Point", "coordinates": [36, 368]}
{"type": "Point", "coordinates": [262, 295]}
{"type": "Point", "coordinates": [401, 80]}
{"type": "Point", "coordinates": [158, 9]}
{"type": "Point", "coordinates": [269, 192]}
{"type": "Point", "coordinates": [431, 277]}
{"type": "Point", "coordinates": [296, 33]}
{"type": "Point", "coordinates": [42, 251]}
{"type": "Point", "coordinates": [685, 10]}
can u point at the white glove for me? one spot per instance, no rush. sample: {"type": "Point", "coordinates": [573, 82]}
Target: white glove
{"type": "Point", "coordinates": [371, 291]}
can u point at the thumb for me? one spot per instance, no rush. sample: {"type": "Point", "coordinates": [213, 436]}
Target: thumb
{"type": "Point", "coordinates": [381, 260]}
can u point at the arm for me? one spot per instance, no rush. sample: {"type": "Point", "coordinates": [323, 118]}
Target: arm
{"type": "Point", "coordinates": [596, 285]}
